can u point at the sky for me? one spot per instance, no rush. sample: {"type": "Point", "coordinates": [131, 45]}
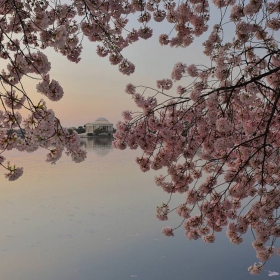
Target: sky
{"type": "Point", "coordinates": [94, 88]}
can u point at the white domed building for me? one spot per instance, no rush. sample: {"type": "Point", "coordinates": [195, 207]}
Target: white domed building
{"type": "Point", "coordinates": [101, 123]}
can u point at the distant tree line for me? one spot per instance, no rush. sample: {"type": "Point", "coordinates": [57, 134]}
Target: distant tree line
{"type": "Point", "coordinates": [79, 130]}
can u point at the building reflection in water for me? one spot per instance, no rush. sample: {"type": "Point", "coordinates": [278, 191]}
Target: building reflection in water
{"type": "Point", "coordinates": [102, 145]}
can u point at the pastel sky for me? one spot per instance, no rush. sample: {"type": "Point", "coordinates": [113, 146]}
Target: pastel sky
{"type": "Point", "coordinates": [94, 88]}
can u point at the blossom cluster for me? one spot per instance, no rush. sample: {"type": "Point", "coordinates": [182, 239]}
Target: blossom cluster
{"type": "Point", "coordinates": [218, 137]}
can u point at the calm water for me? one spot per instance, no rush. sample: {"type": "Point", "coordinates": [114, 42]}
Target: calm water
{"type": "Point", "coordinates": [96, 220]}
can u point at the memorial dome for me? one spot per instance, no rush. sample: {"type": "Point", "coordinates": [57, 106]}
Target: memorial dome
{"type": "Point", "coordinates": [101, 121]}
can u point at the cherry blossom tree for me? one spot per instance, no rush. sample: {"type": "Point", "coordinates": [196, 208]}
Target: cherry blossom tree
{"type": "Point", "coordinates": [217, 135]}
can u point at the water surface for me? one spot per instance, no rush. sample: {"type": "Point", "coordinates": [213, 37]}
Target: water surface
{"type": "Point", "coordinates": [96, 220]}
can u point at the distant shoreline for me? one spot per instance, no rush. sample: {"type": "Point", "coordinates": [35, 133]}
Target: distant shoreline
{"type": "Point", "coordinates": [95, 136]}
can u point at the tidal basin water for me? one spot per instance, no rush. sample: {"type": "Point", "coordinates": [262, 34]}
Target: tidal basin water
{"type": "Point", "coordinates": [96, 220]}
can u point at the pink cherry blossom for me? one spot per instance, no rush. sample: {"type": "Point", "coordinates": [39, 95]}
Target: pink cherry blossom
{"type": "Point", "coordinates": [168, 231]}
